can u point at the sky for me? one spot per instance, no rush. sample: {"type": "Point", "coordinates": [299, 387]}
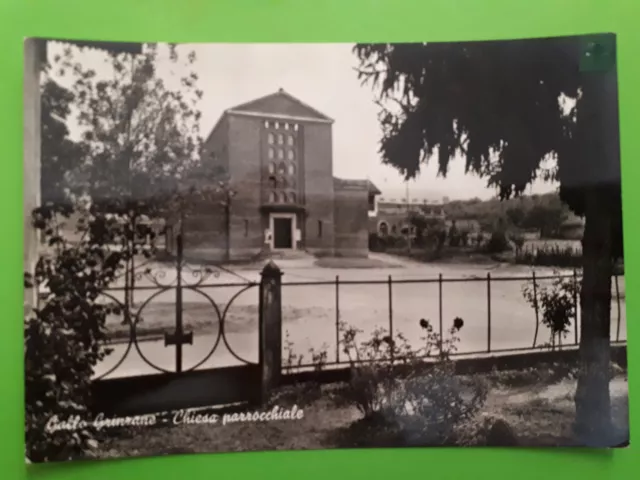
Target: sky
{"type": "Point", "coordinates": [322, 76]}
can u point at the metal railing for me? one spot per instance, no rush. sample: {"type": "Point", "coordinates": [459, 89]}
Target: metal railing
{"type": "Point", "coordinates": [489, 281]}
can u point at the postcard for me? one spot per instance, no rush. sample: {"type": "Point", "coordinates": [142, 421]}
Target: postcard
{"type": "Point", "coordinates": [248, 247]}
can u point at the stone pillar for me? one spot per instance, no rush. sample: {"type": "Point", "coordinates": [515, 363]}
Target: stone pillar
{"type": "Point", "coordinates": [33, 53]}
{"type": "Point", "coordinates": [270, 328]}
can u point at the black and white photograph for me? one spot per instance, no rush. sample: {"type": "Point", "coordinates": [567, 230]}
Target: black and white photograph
{"type": "Point", "coordinates": [281, 246]}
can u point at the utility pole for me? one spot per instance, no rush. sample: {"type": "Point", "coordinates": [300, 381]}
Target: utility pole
{"type": "Point", "coordinates": [408, 215]}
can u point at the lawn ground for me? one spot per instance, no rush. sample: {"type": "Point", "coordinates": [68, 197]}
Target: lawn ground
{"type": "Point", "coordinates": [539, 414]}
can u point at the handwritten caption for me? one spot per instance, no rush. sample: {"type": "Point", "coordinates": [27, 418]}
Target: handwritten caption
{"type": "Point", "coordinates": [180, 417]}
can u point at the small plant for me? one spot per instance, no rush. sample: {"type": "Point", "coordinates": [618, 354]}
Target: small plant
{"type": "Point", "coordinates": [301, 393]}
{"type": "Point", "coordinates": [557, 303]}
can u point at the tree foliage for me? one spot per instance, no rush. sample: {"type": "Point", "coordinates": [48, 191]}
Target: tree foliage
{"type": "Point", "coordinates": [137, 156]}
{"type": "Point", "coordinates": [509, 109]}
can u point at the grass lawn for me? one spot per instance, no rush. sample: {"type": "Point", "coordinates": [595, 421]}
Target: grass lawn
{"type": "Point", "coordinates": [539, 414]}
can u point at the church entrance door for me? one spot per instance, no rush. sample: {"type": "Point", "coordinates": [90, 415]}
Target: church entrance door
{"type": "Point", "coordinates": [282, 227]}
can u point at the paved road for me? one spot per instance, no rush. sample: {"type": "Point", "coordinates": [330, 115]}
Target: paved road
{"type": "Point", "coordinates": [309, 312]}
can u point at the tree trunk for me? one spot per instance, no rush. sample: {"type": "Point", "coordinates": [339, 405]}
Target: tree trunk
{"type": "Point", "coordinates": [593, 404]}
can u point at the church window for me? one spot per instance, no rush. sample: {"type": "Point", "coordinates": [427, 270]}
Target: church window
{"type": "Point", "coordinates": [270, 138]}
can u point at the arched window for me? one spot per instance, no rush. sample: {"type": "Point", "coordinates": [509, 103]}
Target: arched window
{"type": "Point", "coordinates": [272, 168]}
{"type": "Point", "coordinates": [277, 125]}
{"type": "Point", "coordinates": [290, 140]}
{"type": "Point", "coordinates": [383, 228]}
{"type": "Point", "coordinates": [286, 126]}
{"type": "Point", "coordinates": [271, 153]}
{"type": "Point", "coordinates": [280, 154]}
{"type": "Point", "coordinates": [290, 155]}
{"type": "Point", "coordinates": [295, 127]}
{"type": "Point", "coordinates": [394, 230]}
{"type": "Point", "coordinates": [282, 168]}
{"type": "Point", "coordinates": [272, 182]}
{"type": "Point", "coordinates": [270, 138]}
{"type": "Point", "coordinates": [291, 169]}
{"type": "Point", "coordinates": [280, 139]}
{"type": "Point", "coordinates": [266, 124]}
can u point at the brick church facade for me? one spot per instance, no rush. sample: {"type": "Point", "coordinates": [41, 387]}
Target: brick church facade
{"type": "Point", "coordinates": [275, 155]}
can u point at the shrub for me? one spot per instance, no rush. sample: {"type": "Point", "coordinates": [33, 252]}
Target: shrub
{"type": "Point", "coordinates": [497, 243]}
{"type": "Point", "coordinates": [557, 304]}
{"type": "Point", "coordinates": [417, 387]}
{"type": "Point", "coordinates": [64, 340]}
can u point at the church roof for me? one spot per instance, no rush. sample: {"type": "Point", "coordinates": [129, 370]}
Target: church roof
{"type": "Point", "coordinates": [281, 104]}
{"type": "Point", "coordinates": [356, 184]}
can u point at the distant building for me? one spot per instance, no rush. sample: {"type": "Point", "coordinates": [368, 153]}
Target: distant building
{"type": "Point", "coordinates": [275, 155]}
{"type": "Point", "coordinates": [392, 217]}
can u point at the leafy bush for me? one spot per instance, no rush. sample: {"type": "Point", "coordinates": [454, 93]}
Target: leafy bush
{"type": "Point", "coordinates": [557, 304]}
{"type": "Point", "coordinates": [497, 243]}
{"type": "Point", "coordinates": [64, 340]}
{"type": "Point", "coordinates": [392, 381]}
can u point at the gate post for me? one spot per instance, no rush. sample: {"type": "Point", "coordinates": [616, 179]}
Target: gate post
{"type": "Point", "coordinates": [270, 328]}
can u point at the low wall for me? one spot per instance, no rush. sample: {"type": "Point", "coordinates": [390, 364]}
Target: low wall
{"type": "Point", "coordinates": [466, 366]}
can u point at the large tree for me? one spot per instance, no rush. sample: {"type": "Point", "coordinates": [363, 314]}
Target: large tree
{"type": "Point", "coordinates": [516, 111]}
{"type": "Point", "coordinates": [140, 138]}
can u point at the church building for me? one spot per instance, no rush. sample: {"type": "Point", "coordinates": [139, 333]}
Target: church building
{"type": "Point", "coordinates": [280, 195]}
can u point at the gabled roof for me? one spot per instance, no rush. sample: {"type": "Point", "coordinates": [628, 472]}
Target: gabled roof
{"type": "Point", "coordinates": [283, 105]}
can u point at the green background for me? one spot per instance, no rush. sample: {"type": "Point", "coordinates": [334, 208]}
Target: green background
{"type": "Point", "coordinates": [305, 21]}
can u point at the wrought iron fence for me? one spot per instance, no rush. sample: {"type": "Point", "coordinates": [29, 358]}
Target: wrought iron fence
{"type": "Point", "coordinates": [489, 282]}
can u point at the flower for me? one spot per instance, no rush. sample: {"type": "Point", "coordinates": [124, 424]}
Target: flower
{"type": "Point", "coordinates": [458, 323]}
